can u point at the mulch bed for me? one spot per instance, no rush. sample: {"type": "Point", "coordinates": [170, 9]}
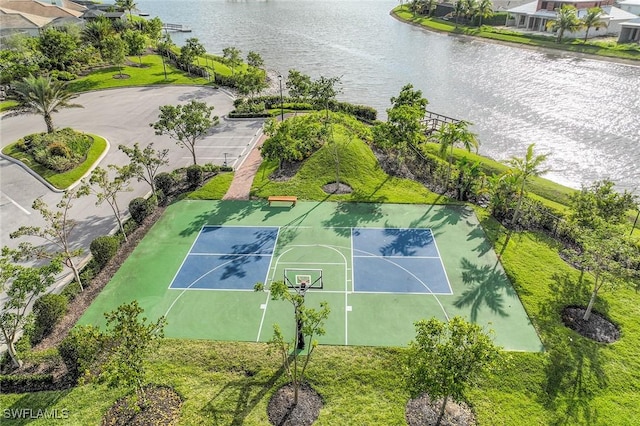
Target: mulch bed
{"type": "Point", "coordinates": [422, 411]}
{"type": "Point", "coordinates": [597, 328]}
{"type": "Point", "coordinates": [162, 409]}
{"type": "Point", "coordinates": [282, 412]}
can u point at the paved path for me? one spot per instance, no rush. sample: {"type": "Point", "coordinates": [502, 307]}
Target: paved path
{"type": "Point", "coordinates": [240, 188]}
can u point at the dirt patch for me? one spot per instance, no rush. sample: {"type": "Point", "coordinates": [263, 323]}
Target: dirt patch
{"type": "Point", "coordinates": [282, 412]}
{"type": "Point", "coordinates": [422, 411]}
{"type": "Point", "coordinates": [121, 76]}
{"type": "Point", "coordinates": [597, 328]}
{"type": "Point", "coordinates": [337, 188]}
{"type": "Point", "coordinates": [162, 409]}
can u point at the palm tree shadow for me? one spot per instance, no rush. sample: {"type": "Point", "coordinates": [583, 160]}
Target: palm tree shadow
{"type": "Point", "coordinates": [573, 368]}
{"type": "Point", "coordinates": [221, 213]}
{"type": "Point", "coordinates": [488, 287]}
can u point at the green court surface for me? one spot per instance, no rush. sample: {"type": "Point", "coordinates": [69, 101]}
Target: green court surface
{"type": "Point", "coordinates": [168, 273]}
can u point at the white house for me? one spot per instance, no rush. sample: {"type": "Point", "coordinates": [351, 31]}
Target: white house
{"type": "Point", "coordinates": [631, 6]}
{"type": "Point", "coordinates": [535, 16]}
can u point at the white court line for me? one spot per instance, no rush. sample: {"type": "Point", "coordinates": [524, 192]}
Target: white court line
{"type": "Point", "coordinates": [266, 279]}
{"type": "Point", "coordinates": [222, 147]}
{"type": "Point", "coordinates": [15, 203]}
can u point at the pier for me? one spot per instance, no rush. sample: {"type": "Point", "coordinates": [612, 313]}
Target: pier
{"type": "Point", "coordinates": [432, 121]}
{"type": "Point", "coordinates": [176, 28]}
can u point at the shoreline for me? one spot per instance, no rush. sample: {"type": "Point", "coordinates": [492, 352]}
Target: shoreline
{"type": "Point", "coordinates": [559, 52]}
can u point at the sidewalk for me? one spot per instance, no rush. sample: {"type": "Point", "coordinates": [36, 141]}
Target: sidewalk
{"type": "Point", "coordinates": [241, 186]}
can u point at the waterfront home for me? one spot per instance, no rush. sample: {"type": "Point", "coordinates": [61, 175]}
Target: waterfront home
{"type": "Point", "coordinates": [537, 15]}
{"type": "Point", "coordinates": [630, 32]}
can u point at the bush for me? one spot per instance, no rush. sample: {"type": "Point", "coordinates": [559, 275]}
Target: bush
{"type": "Point", "coordinates": [63, 75]}
{"type": "Point", "coordinates": [165, 182]}
{"type": "Point", "coordinates": [71, 290]}
{"type": "Point", "coordinates": [21, 383]}
{"type": "Point", "coordinates": [48, 311]}
{"type": "Point", "coordinates": [81, 349]}
{"type": "Point", "coordinates": [194, 175]}
{"type": "Point", "coordinates": [139, 208]}
{"type": "Point", "coordinates": [104, 248]}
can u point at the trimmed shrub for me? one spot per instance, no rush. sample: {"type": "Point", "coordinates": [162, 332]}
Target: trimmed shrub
{"type": "Point", "coordinates": [71, 290]}
{"type": "Point", "coordinates": [81, 349]}
{"type": "Point", "coordinates": [139, 208]}
{"type": "Point", "coordinates": [104, 248]}
{"type": "Point", "coordinates": [194, 175]}
{"type": "Point", "coordinates": [165, 182]}
{"type": "Point", "coordinates": [21, 383]}
{"type": "Point", "coordinates": [48, 310]}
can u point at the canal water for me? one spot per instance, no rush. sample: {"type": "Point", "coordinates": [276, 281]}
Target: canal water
{"type": "Point", "coordinates": [585, 113]}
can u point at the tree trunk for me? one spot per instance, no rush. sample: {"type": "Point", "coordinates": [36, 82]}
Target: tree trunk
{"type": "Point", "coordinates": [49, 122]}
{"type": "Point", "coordinates": [586, 34]}
{"type": "Point", "coordinates": [442, 409]}
{"type": "Point", "coordinates": [592, 301]}
{"type": "Point", "coordinates": [76, 273]}
{"type": "Point", "coordinates": [193, 154]}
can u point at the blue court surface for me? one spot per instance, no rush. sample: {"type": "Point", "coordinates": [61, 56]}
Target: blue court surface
{"type": "Point", "coordinates": [397, 260]}
{"type": "Point", "coordinates": [227, 258]}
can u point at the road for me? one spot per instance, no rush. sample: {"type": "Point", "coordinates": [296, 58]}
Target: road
{"type": "Point", "coordinates": [122, 116]}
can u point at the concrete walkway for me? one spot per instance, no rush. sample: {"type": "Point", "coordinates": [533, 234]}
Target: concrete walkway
{"type": "Point", "coordinates": [243, 179]}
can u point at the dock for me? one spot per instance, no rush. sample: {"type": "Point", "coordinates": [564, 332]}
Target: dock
{"type": "Point", "coordinates": [433, 121]}
{"type": "Point", "coordinates": [176, 28]}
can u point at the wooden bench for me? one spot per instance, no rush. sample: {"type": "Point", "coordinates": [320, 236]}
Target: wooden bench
{"type": "Point", "coordinates": [283, 198]}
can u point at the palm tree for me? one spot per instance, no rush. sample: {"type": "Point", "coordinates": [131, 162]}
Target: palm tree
{"type": "Point", "coordinates": [450, 134]}
{"type": "Point", "coordinates": [128, 5]}
{"type": "Point", "coordinates": [95, 32]}
{"type": "Point", "coordinates": [458, 10]}
{"type": "Point", "coordinates": [41, 95]}
{"type": "Point", "coordinates": [592, 20]}
{"type": "Point", "coordinates": [524, 169]}
{"type": "Point", "coordinates": [484, 10]}
{"type": "Point", "coordinates": [566, 20]}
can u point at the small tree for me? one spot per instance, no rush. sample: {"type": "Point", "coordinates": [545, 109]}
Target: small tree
{"type": "Point", "coordinates": [610, 257]}
{"type": "Point", "coordinates": [250, 83]}
{"type": "Point", "coordinates": [57, 233]}
{"type": "Point", "coordinates": [446, 357]}
{"type": "Point", "coordinates": [600, 202]}
{"type": "Point", "coordinates": [195, 48]}
{"type": "Point", "coordinates": [323, 91]}
{"type": "Point", "coordinates": [128, 5]}
{"type": "Point", "coordinates": [451, 134]}
{"type": "Point", "coordinates": [132, 338]}
{"type": "Point", "coordinates": [186, 124]}
{"type": "Point", "coordinates": [107, 189]}
{"type": "Point", "coordinates": [143, 164]}
{"type": "Point", "coordinates": [525, 169]}
{"type": "Point", "coordinates": [309, 323]}
{"type": "Point", "coordinates": [115, 51]}
{"type": "Point", "coordinates": [254, 59]}
{"type": "Point", "coordinates": [298, 85]}
{"type": "Point", "coordinates": [136, 43]}
{"type": "Point", "coordinates": [592, 20]}
{"type": "Point", "coordinates": [22, 285]}
{"type": "Point", "coordinates": [232, 56]}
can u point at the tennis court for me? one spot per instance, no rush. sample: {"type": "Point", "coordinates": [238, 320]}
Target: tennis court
{"type": "Point", "coordinates": [380, 268]}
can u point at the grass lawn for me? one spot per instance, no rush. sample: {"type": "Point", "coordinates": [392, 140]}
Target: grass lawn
{"type": "Point", "coordinates": [591, 47]}
{"type": "Point", "coordinates": [60, 180]}
{"type": "Point", "coordinates": [214, 189]}
{"type": "Point", "coordinates": [8, 105]}
{"type": "Point", "coordinates": [150, 73]}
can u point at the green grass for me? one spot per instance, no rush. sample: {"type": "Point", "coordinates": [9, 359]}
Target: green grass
{"type": "Point", "coordinates": [150, 73]}
{"type": "Point", "coordinates": [358, 168]}
{"type": "Point", "coordinates": [60, 180]}
{"type": "Point", "coordinates": [214, 189]}
{"type": "Point", "coordinates": [591, 47]}
{"type": "Point", "coordinates": [8, 105]}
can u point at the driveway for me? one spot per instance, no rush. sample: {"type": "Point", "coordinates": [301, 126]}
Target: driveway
{"type": "Point", "coordinates": [122, 116]}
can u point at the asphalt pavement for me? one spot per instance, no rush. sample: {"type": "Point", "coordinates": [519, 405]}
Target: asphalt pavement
{"type": "Point", "coordinates": [121, 116]}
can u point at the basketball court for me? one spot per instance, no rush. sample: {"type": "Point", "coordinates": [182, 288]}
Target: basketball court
{"type": "Point", "coordinates": [380, 268]}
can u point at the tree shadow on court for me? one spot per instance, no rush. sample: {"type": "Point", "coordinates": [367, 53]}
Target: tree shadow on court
{"type": "Point", "coordinates": [348, 215]}
{"type": "Point", "coordinates": [405, 241]}
{"type": "Point", "coordinates": [489, 286]}
{"type": "Point", "coordinates": [573, 368]}
{"type": "Point", "coordinates": [484, 245]}
{"type": "Point", "coordinates": [247, 392]}
{"type": "Point", "coordinates": [220, 213]}
{"type": "Point", "coordinates": [451, 215]}
{"type": "Point", "coordinates": [243, 254]}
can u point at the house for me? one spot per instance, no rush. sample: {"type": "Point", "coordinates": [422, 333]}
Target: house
{"type": "Point", "coordinates": [37, 8]}
{"type": "Point", "coordinates": [30, 17]}
{"type": "Point", "coordinates": [630, 32]}
{"type": "Point", "coordinates": [631, 6]}
{"type": "Point", "coordinates": [535, 16]}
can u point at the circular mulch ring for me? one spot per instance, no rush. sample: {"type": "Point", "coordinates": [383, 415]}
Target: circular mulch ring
{"type": "Point", "coordinates": [335, 188]}
{"type": "Point", "coordinates": [163, 409]}
{"type": "Point", "coordinates": [121, 76]}
{"type": "Point", "coordinates": [422, 411]}
{"type": "Point", "coordinates": [597, 328]}
{"type": "Point", "coordinates": [282, 412]}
